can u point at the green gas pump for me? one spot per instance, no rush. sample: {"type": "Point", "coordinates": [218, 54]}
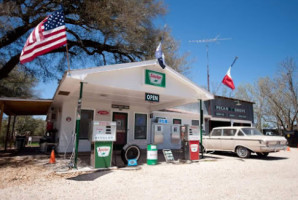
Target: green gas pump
{"type": "Point", "coordinates": [103, 134]}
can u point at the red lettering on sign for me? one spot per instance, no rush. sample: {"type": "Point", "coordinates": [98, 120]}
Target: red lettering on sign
{"type": "Point", "coordinates": [155, 76]}
{"type": "Point", "coordinates": [103, 112]}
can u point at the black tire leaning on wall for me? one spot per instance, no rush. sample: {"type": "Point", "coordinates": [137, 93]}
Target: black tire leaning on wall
{"type": "Point", "coordinates": [130, 151]}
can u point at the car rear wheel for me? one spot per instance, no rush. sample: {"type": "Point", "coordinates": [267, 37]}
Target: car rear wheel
{"type": "Point", "coordinates": [243, 152]}
{"type": "Point", "coordinates": [262, 155]}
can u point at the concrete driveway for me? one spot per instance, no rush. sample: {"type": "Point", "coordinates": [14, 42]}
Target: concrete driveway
{"type": "Point", "coordinates": [217, 176]}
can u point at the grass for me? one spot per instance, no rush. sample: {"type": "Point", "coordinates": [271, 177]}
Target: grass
{"type": "Point", "coordinates": [33, 144]}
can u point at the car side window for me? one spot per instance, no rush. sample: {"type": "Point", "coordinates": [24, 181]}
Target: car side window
{"type": "Point", "coordinates": [240, 133]}
{"type": "Point", "coordinates": [216, 132]}
{"type": "Point", "coordinates": [229, 132]}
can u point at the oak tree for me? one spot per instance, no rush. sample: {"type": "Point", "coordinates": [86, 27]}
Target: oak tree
{"type": "Point", "coordinates": [99, 32]}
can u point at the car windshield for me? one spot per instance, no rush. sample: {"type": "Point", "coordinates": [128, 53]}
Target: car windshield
{"type": "Point", "coordinates": [251, 131]}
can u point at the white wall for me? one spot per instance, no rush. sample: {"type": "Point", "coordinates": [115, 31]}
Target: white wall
{"type": "Point", "coordinates": [67, 129]}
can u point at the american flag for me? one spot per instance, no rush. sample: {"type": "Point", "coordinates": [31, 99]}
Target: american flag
{"type": "Point", "coordinates": [46, 36]}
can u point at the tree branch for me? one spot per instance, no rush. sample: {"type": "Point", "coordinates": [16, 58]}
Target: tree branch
{"type": "Point", "coordinates": [8, 66]}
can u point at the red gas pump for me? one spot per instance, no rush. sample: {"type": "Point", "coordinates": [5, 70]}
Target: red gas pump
{"type": "Point", "coordinates": [192, 141]}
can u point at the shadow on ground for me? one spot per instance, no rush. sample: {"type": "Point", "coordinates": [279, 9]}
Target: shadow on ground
{"type": "Point", "coordinates": [270, 157]}
{"type": "Point", "coordinates": [89, 177]}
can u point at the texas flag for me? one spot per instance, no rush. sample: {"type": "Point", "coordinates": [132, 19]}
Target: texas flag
{"type": "Point", "coordinates": [227, 80]}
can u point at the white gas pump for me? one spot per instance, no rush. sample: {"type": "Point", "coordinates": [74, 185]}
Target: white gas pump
{"type": "Point", "coordinates": [175, 134]}
{"type": "Point", "coordinates": [158, 134]}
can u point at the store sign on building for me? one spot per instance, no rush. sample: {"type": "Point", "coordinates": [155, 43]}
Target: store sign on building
{"type": "Point", "coordinates": [229, 109]}
{"type": "Point", "coordinates": [155, 78]}
{"type": "Point", "coordinates": [151, 97]}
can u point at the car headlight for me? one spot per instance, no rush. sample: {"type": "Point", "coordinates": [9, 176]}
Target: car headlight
{"type": "Point", "coordinates": [283, 142]}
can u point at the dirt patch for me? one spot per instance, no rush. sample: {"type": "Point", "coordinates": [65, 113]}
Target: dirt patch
{"type": "Point", "coordinates": [30, 169]}
{"type": "Point", "coordinates": [22, 170]}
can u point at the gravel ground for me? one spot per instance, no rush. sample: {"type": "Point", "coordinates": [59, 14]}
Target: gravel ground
{"type": "Point", "coordinates": [217, 176]}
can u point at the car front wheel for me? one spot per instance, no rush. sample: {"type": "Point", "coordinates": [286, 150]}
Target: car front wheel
{"type": "Point", "coordinates": [243, 152]}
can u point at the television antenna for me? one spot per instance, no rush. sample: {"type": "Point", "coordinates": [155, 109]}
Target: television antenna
{"type": "Point", "coordinates": [210, 40]}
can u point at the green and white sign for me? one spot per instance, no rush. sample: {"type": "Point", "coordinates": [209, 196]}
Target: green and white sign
{"type": "Point", "coordinates": [103, 154]}
{"type": "Point", "coordinates": [155, 78]}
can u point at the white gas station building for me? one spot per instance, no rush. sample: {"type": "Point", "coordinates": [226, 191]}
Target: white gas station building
{"type": "Point", "coordinates": [134, 95]}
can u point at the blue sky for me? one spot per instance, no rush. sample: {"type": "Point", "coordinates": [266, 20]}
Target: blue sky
{"type": "Point", "coordinates": [262, 32]}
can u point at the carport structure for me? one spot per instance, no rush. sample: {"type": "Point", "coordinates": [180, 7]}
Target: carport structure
{"type": "Point", "coordinates": [20, 107]}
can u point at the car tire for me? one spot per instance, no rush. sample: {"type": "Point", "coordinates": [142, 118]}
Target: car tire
{"type": "Point", "coordinates": [262, 155]}
{"type": "Point", "coordinates": [243, 152]}
{"type": "Point", "coordinates": [130, 152]}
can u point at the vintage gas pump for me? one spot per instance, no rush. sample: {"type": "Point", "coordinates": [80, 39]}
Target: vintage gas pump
{"type": "Point", "coordinates": [190, 136]}
{"type": "Point", "coordinates": [102, 135]}
{"type": "Point", "coordinates": [158, 133]}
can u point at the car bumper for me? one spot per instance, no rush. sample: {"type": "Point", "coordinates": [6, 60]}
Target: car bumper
{"type": "Point", "coordinates": [273, 148]}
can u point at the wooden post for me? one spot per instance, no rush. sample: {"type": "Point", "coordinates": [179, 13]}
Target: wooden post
{"type": "Point", "coordinates": [7, 133]}
{"type": "Point", "coordinates": [12, 131]}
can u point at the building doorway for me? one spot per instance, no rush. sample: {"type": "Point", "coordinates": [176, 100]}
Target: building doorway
{"type": "Point", "coordinates": [86, 119]}
{"type": "Point", "coordinates": [121, 132]}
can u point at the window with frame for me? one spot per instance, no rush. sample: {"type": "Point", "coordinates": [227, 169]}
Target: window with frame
{"type": "Point", "coordinates": [140, 126]}
{"type": "Point", "coordinates": [86, 118]}
{"type": "Point", "coordinates": [195, 122]}
{"type": "Point", "coordinates": [176, 121]}
{"type": "Point", "coordinates": [229, 132]}
{"type": "Point", "coordinates": [216, 132]}
{"type": "Point", "coordinates": [240, 133]}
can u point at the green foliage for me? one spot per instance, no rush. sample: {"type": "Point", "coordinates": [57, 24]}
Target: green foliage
{"type": "Point", "coordinates": [17, 84]}
{"type": "Point", "coordinates": [98, 33]}
{"type": "Point", "coordinates": [29, 126]}
{"type": "Point", "coordinates": [25, 125]}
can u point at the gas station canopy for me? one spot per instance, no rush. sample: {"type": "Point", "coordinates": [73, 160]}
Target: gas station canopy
{"type": "Point", "coordinates": [13, 106]}
{"type": "Point", "coordinates": [125, 84]}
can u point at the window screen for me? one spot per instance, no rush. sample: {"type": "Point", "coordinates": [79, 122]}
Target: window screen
{"type": "Point", "coordinates": [140, 126]}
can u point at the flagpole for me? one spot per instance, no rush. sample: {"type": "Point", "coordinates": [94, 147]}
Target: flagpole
{"type": "Point", "coordinates": [236, 57]}
{"type": "Point", "coordinates": [78, 121]}
{"type": "Point", "coordinates": [67, 57]}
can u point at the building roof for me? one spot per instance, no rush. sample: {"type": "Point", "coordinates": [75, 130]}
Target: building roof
{"type": "Point", "coordinates": [229, 98]}
{"type": "Point", "coordinates": [14, 106]}
{"type": "Point", "coordinates": [124, 84]}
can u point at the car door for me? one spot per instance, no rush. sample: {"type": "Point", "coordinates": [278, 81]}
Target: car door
{"type": "Point", "coordinates": [213, 141]}
{"type": "Point", "coordinates": [228, 139]}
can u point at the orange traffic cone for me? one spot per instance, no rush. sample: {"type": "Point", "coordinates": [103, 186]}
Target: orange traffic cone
{"type": "Point", "coordinates": [288, 149]}
{"type": "Point", "coordinates": [52, 158]}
